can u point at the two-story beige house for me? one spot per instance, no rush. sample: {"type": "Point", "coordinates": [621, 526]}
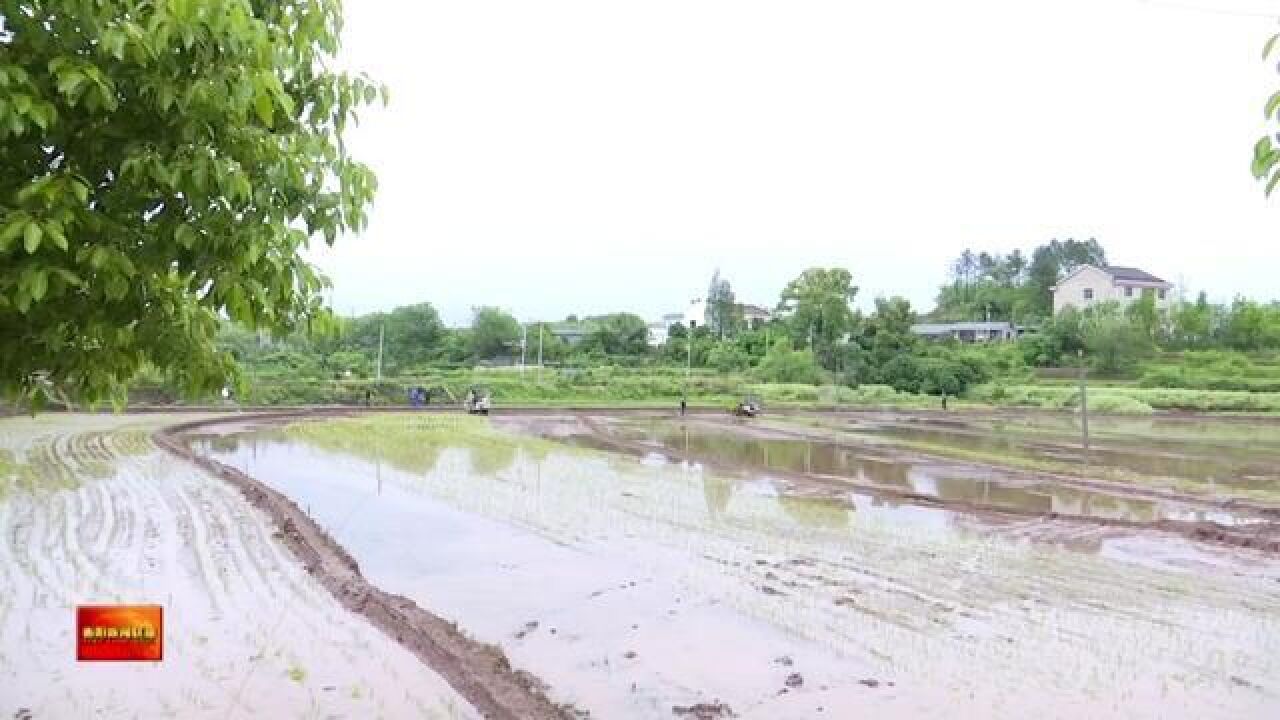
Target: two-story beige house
{"type": "Point", "coordinates": [1089, 285]}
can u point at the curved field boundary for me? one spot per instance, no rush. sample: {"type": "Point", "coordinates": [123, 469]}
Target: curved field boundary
{"type": "Point", "coordinates": [1263, 536]}
{"type": "Point", "coordinates": [480, 673]}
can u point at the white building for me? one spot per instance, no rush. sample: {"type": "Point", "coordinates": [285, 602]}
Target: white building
{"type": "Point", "coordinates": [968, 332]}
{"type": "Point", "coordinates": [1089, 285]}
{"type": "Point", "coordinates": [696, 314]}
{"type": "Point", "coordinates": [658, 330]}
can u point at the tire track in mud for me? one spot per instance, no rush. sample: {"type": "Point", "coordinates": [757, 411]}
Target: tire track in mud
{"type": "Point", "coordinates": [479, 672]}
{"type": "Point", "coordinates": [940, 610]}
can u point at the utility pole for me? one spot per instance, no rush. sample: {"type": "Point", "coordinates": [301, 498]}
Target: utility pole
{"type": "Point", "coordinates": [524, 334]}
{"type": "Point", "coordinates": [688, 368]}
{"type": "Point", "coordinates": [382, 329]}
{"type": "Point", "coordinates": [1084, 403]}
{"type": "Point", "coordinates": [539, 352]}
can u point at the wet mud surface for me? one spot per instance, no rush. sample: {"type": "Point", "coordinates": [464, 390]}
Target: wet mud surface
{"type": "Point", "coordinates": [648, 583]}
{"type": "Point", "coordinates": [814, 457]}
{"type": "Point", "coordinates": [479, 672]}
{"type": "Point", "coordinates": [93, 511]}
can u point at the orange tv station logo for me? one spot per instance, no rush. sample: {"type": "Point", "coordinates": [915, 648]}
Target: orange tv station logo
{"type": "Point", "coordinates": [120, 632]}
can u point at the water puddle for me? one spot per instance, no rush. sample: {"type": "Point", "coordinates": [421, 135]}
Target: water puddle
{"type": "Point", "coordinates": [1200, 454]}
{"type": "Point", "coordinates": [635, 585]}
{"type": "Point", "coordinates": [869, 465]}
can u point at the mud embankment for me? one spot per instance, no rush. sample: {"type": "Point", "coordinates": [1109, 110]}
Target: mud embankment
{"type": "Point", "coordinates": [480, 673]}
{"type": "Point", "coordinates": [1263, 535]}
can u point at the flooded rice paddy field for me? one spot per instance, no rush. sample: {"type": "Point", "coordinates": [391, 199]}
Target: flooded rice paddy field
{"type": "Point", "coordinates": [698, 571]}
{"type": "Point", "coordinates": [1220, 458]}
{"type": "Point", "coordinates": [92, 512]}
{"type": "Point", "coordinates": [961, 466]}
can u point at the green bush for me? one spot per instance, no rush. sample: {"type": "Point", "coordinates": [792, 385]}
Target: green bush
{"type": "Point", "coordinates": [784, 365]}
{"type": "Point", "coordinates": [1118, 404]}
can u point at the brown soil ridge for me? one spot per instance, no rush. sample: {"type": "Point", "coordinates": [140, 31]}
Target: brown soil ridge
{"type": "Point", "coordinates": [479, 672]}
{"type": "Point", "coordinates": [1264, 536]}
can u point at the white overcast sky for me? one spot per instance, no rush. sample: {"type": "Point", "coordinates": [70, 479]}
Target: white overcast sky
{"type": "Point", "coordinates": [556, 157]}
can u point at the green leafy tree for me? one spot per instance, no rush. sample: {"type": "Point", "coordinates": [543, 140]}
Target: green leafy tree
{"type": "Point", "coordinates": [413, 335]}
{"type": "Point", "coordinates": [1060, 339]}
{"type": "Point", "coordinates": [554, 349]}
{"type": "Point", "coordinates": [349, 361]}
{"type": "Point", "coordinates": [1193, 324]}
{"type": "Point", "coordinates": [728, 356]}
{"type": "Point", "coordinates": [783, 364]}
{"type": "Point", "coordinates": [1051, 262]}
{"type": "Point", "coordinates": [493, 332]}
{"type": "Point", "coordinates": [817, 305]}
{"type": "Point", "coordinates": [1113, 341]}
{"type": "Point", "coordinates": [1144, 316]}
{"type": "Point", "coordinates": [164, 163]}
{"type": "Point", "coordinates": [988, 286]}
{"type": "Point", "coordinates": [618, 334]}
{"type": "Point", "coordinates": [1250, 326]}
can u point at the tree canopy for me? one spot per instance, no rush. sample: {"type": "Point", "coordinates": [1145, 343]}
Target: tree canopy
{"type": "Point", "coordinates": [493, 332]}
{"type": "Point", "coordinates": [163, 165]}
{"type": "Point", "coordinates": [996, 287]}
{"type": "Point", "coordinates": [817, 305]}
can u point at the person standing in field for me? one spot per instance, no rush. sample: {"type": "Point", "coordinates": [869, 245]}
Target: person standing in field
{"type": "Point", "coordinates": [683, 406]}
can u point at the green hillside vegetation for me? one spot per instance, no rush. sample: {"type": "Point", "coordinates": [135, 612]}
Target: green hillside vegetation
{"type": "Point", "coordinates": [816, 350]}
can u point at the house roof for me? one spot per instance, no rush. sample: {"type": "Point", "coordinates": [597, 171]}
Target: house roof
{"type": "Point", "coordinates": [940, 328]}
{"type": "Point", "coordinates": [569, 329]}
{"type": "Point", "coordinates": [754, 309]}
{"type": "Point", "coordinates": [1131, 274]}
{"type": "Point", "coordinates": [1118, 273]}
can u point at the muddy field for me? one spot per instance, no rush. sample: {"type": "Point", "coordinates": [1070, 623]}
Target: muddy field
{"type": "Point", "coordinates": [91, 511]}
{"type": "Point", "coordinates": [817, 566]}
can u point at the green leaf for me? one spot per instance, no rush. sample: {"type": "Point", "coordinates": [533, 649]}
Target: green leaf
{"type": "Point", "coordinates": [1271, 43]}
{"type": "Point", "coordinates": [1263, 158]}
{"type": "Point", "coordinates": [54, 231]}
{"type": "Point", "coordinates": [69, 82]}
{"type": "Point", "coordinates": [31, 236]}
{"type": "Point", "coordinates": [185, 236]}
{"type": "Point", "coordinates": [1272, 105]}
{"type": "Point", "coordinates": [12, 230]}
{"type": "Point", "coordinates": [266, 111]}
{"type": "Point", "coordinates": [38, 285]}
{"type": "Point", "coordinates": [1275, 178]}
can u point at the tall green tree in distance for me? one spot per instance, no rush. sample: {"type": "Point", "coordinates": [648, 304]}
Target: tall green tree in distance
{"type": "Point", "coordinates": [163, 165]}
{"type": "Point", "coordinates": [413, 334]}
{"type": "Point", "coordinates": [493, 332]}
{"type": "Point", "coordinates": [1051, 262]}
{"type": "Point", "coordinates": [818, 310]}
{"type": "Point", "coordinates": [618, 334]}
